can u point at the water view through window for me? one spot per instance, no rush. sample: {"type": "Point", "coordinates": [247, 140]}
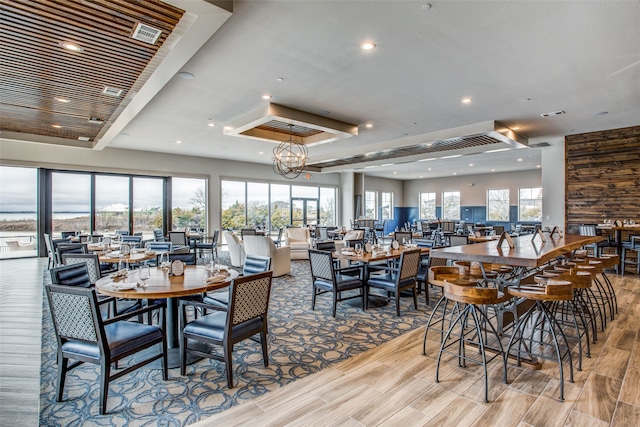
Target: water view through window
{"type": "Point", "coordinates": [18, 211]}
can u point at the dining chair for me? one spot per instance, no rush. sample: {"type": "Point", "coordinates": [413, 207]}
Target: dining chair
{"type": "Point", "coordinates": [326, 278]}
{"type": "Point", "coordinates": [402, 236]}
{"type": "Point", "coordinates": [278, 240]}
{"type": "Point", "coordinates": [398, 279]}
{"type": "Point", "coordinates": [69, 248]}
{"type": "Point", "coordinates": [84, 336]}
{"type": "Point", "coordinates": [67, 234]}
{"type": "Point", "coordinates": [209, 244]}
{"type": "Point", "coordinates": [179, 241]}
{"type": "Point", "coordinates": [50, 251]}
{"type": "Point", "coordinates": [158, 235]}
{"type": "Point", "coordinates": [247, 232]}
{"type": "Point", "coordinates": [246, 317]}
{"type": "Point", "coordinates": [122, 232]}
{"type": "Point", "coordinates": [455, 240]}
{"type": "Point", "coordinates": [253, 264]}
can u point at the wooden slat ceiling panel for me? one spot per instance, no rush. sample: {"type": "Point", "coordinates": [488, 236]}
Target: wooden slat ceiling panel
{"type": "Point", "coordinates": [35, 69]}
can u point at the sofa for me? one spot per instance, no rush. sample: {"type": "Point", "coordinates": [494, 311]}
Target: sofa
{"type": "Point", "coordinates": [264, 246]}
{"type": "Point", "coordinates": [236, 248]}
{"type": "Point", "coordinates": [299, 241]}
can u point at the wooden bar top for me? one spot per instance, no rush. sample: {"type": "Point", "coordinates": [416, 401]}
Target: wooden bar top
{"type": "Point", "coordinates": [526, 253]}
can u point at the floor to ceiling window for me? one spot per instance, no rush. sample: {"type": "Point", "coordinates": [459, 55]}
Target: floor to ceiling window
{"type": "Point", "coordinates": [189, 203]}
{"type": "Point", "coordinates": [258, 205]}
{"type": "Point", "coordinates": [18, 212]}
{"type": "Point", "coordinates": [112, 203]}
{"type": "Point", "coordinates": [71, 203]}
{"type": "Point", "coordinates": [233, 204]}
{"type": "Point", "coordinates": [147, 205]}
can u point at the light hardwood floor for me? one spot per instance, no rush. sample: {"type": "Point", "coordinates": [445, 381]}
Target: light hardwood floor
{"type": "Point", "coordinates": [391, 385]}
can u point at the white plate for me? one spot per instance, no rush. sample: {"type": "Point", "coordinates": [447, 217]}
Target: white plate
{"type": "Point", "coordinates": [395, 244]}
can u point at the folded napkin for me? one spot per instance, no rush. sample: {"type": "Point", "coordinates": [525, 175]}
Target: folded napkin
{"type": "Point", "coordinates": [220, 277]}
{"type": "Point", "coordinates": [347, 251]}
{"type": "Point", "coordinates": [120, 273]}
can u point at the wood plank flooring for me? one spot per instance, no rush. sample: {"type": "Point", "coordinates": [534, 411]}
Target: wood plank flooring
{"type": "Point", "coordinates": [20, 340]}
{"type": "Point", "coordinates": [394, 385]}
{"type": "Point", "coordinates": [390, 385]}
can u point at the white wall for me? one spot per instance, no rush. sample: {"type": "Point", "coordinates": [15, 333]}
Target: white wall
{"type": "Point", "coordinates": [150, 163]}
{"type": "Point", "coordinates": [475, 195]}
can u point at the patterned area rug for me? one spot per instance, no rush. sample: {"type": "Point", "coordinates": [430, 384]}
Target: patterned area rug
{"type": "Point", "coordinates": [301, 342]}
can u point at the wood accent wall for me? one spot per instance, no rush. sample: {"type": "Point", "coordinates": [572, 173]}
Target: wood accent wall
{"type": "Point", "coordinates": [603, 176]}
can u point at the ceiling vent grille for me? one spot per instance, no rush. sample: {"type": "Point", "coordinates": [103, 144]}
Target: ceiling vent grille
{"type": "Point", "coordinates": [96, 120]}
{"type": "Point", "coordinates": [146, 34]}
{"type": "Point", "coordinates": [111, 91]}
{"type": "Point", "coordinates": [553, 113]}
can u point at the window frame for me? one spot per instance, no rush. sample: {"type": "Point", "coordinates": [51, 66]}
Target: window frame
{"type": "Point", "coordinates": [382, 204]}
{"type": "Point", "coordinates": [435, 206]}
{"type": "Point", "coordinates": [375, 204]}
{"type": "Point", "coordinates": [539, 201]}
{"type": "Point", "coordinates": [508, 199]}
{"type": "Point", "coordinates": [444, 198]}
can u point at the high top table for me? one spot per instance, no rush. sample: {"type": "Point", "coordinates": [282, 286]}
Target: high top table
{"type": "Point", "coordinates": [526, 255]}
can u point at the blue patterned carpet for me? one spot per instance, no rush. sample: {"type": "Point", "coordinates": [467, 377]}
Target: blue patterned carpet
{"type": "Point", "coordinates": [301, 342]}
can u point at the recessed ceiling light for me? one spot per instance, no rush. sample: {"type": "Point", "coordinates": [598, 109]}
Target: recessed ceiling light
{"type": "Point", "coordinates": [515, 128]}
{"type": "Point", "coordinates": [537, 166]}
{"type": "Point", "coordinates": [56, 126]}
{"type": "Point", "coordinates": [369, 125]}
{"type": "Point", "coordinates": [211, 124]}
{"type": "Point", "coordinates": [265, 96]}
{"type": "Point", "coordinates": [84, 138]}
{"type": "Point", "coordinates": [493, 170]}
{"type": "Point", "coordinates": [185, 75]}
{"type": "Point", "coordinates": [455, 173]}
{"type": "Point", "coordinates": [367, 45]}
{"type": "Point", "coordinates": [520, 159]}
{"type": "Point", "coordinates": [429, 144]}
{"type": "Point", "coordinates": [280, 79]}
{"type": "Point", "coordinates": [63, 100]}
{"type": "Point", "coordinates": [426, 6]}
{"type": "Point", "coordinates": [72, 47]}
{"type": "Point", "coordinates": [394, 172]}
{"type": "Point", "coordinates": [261, 152]}
{"type": "Point", "coordinates": [470, 164]}
{"type": "Point", "coordinates": [466, 100]}
{"type": "Point", "coordinates": [429, 169]}
{"type": "Point", "coordinates": [227, 128]}
{"type": "Point", "coordinates": [178, 142]}
{"type": "Point", "coordinates": [421, 176]}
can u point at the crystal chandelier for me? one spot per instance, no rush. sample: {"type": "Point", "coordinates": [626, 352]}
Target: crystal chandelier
{"type": "Point", "coordinates": [290, 157]}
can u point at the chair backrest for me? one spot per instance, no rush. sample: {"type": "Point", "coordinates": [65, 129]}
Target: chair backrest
{"type": "Point", "coordinates": [247, 232]}
{"type": "Point", "coordinates": [448, 226]}
{"type": "Point", "coordinates": [90, 260]}
{"type": "Point", "coordinates": [67, 234]}
{"type": "Point", "coordinates": [122, 232]}
{"type": "Point", "coordinates": [135, 240]}
{"type": "Point", "coordinates": [424, 243]}
{"type": "Point", "coordinates": [499, 229]}
{"type": "Point", "coordinates": [71, 275]}
{"type": "Point", "coordinates": [216, 237]}
{"type": "Point", "coordinates": [321, 265]}
{"type": "Point", "coordinates": [49, 246]}
{"type": "Point", "coordinates": [94, 238]}
{"type": "Point", "coordinates": [409, 264]}
{"type": "Point", "coordinates": [69, 248]}
{"type": "Point", "coordinates": [75, 314]}
{"type": "Point", "coordinates": [321, 233]}
{"type": "Point", "coordinates": [352, 243]}
{"type": "Point", "coordinates": [188, 258]}
{"type": "Point", "coordinates": [83, 238]}
{"type": "Point", "coordinates": [587, 230]}
{"type": "Point", "coordinates": [399, 235]}
{"type": "Point", "coordinates": [326, 246]}
{"type": "Point", "coordinates": [455, 240]}
{"type": "Point", "coordinates": [178, 238]}
{"type": "Point", "coordinates": [254, 264]}
{"type": "Point", "coordinates": [278, 241]}
{"type": "Point", "coordinates": [249, 298]}
{"type": "Point", "coordinates": [159, 246]}
{"type": "Point", "coordinates": [157, 235]}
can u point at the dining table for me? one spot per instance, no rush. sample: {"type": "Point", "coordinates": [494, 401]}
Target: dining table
{"type": "Point", "coordinates": [525, 257]}
{"type": "Point", "coordinates": [197, 279]}
{"type": "Point", "coordinates": [482, 239]}
{"type": "Point", "coordinates": [618, 229]}
{"type": "Point", "coordinates": [114, 257]}
{"type": "Point", "coordinates": [367, 258]}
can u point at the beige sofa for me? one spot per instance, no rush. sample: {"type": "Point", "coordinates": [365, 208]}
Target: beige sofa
{"type": "Point", "coordinates": [236, 248]}
{"type": "Point", "coordinates": [264, 246]}
{"type": "Point", "coordinates": [299, 240]}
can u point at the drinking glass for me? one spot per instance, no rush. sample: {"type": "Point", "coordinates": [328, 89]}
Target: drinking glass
{"type": "Point", "coordinates": [144, 273]}
{"type": "Point", "coordinates": [358, 248]}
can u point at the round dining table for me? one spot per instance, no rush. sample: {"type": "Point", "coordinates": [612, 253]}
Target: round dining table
{"type": "Point", "coordinates": [197, 279]}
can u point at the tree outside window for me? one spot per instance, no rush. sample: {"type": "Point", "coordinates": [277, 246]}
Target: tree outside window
{"type": "Point", "coordinates": [498, 205]}
{"type": "Point", "coordinates": [451, 205]}
{"type": "Point", "coordinates": [427, 205]}
{"type": "Point", "coordinates": [387, 205]}
{"type": "Point", "coordinates": [530, 204]}
{"type": "Point", "coordinates": [370, 204]}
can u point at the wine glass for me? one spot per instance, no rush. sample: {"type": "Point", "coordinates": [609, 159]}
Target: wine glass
{"type": "Point", "coordinates": [144, 273]}
{"type": "Point", "coordinates": [358, 248]}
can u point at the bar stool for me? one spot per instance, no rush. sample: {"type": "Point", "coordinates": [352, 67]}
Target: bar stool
{"type": "Point", "coordinates": [543, 295]}
{"type": "Point", "coordinates": [608, 261]}
{"type": "Point", "coordinates": [472, 321]}
{"type": "Point", "coordinates": [437, 277]}
{"type": "Point", "coordinates": [605, 294]}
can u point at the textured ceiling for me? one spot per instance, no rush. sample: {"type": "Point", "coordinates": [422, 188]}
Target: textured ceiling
{"type": "Point", "coordinates": [516, 60]}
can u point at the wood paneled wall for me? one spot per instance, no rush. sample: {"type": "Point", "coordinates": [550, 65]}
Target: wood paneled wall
{"type": "Point", "coordinates": [603, 176]}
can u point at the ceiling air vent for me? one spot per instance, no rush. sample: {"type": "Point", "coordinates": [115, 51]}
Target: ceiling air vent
{"type": "Point", "coordinates": [146, 34]}
{"type": "Point", "coordinates": [540, 145]}
{"type": "Point", "coordinates": [96, 120]}
{"type": "Point", "coordinates": [553, 113]}
{"type": "Point", "coordinates": [111, 91]}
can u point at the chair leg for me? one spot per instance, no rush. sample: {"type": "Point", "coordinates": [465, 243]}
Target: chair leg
{"type": "Point", "coordinates": [335, 303]}
{"type": "Point", "coordinates": [313, 299]}
{"type": "Point", "coordinates": [228, 349]}
{"type": "Point", "coordinates": [63, 362]}
{"type": "Point", "coordinates": [105, 368]}
{"type": "Point", "coordinates": [263, 341]}
{"type": "Point", "coordinates": [397, 295]}
{"type": "Point", "coordinates": [415, 298]}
